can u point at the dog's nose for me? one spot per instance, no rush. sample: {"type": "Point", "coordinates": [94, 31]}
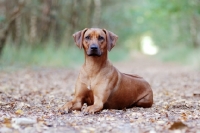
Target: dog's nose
{"type": "Point", "coordinates": [94, 47]}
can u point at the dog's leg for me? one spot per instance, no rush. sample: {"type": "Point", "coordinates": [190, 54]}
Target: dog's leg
{"type": "Point", "coordinates": [146, 101]}
{"type": "Point", "coordinates": [77, 102]}
{"type": "Point", "coordinates": [97, 106]}
{"type": "Point", "coordinates": [100, 97]}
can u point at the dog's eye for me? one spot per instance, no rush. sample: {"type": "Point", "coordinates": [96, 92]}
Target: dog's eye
{"type": "Point", "coordinates": [87, 37]}
{"type": "Point", "coordinates": [100, 38]}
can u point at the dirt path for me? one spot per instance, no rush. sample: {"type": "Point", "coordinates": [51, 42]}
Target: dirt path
{"type": "Point", "coordinates": [29, 100]}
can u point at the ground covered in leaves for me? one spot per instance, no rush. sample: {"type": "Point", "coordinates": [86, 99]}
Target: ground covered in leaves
{"type": "Point", "coordinates": [29, 100]}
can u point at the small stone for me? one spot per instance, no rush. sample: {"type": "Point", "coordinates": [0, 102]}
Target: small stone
{"type": "Point", "coordinates": [5, 130]}
{"type": "Point", "coordinates": [161, 122]}
{"type": "Point", "coordinates": [23, 121]}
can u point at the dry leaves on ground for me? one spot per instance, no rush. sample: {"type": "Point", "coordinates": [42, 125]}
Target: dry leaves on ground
{"type": "Point", "coordinates": [29, 100]}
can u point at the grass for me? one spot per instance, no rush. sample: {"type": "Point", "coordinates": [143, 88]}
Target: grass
{"type": "Point", "coordinates": [49, 56]}
{"type": "Point", "coordinates": [63, 56]}
{"type": "Point", "coordinates": [184, 55]}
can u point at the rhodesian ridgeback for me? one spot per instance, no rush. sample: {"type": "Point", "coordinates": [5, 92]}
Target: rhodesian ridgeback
{"type": "Point", "coordinates": [99, 83]}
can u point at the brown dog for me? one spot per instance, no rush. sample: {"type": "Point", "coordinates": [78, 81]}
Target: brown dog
{"type": "Point", "coordinates": [99, 83]}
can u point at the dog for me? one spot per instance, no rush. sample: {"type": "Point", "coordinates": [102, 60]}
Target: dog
{"type": "Point", "coordinates": [99, 83]}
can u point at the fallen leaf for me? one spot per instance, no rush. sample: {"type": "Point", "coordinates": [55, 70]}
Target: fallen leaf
{"type": "Point", "coordinates": [178, 125]}
{"type": "Point", "coordinates": [19, 112]}
{"type": "Point", "coordinates": [7, 122]}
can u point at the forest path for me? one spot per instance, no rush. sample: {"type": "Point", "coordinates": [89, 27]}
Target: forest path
{"type": "Point", "coordinates": [29, 100]}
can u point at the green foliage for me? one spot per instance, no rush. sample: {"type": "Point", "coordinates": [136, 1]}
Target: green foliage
{"type": "Point", "coordinates": [118, 54]}
{"type": "Point", "coordinates": [49, 55]}
{"type": "Point", "coordinates": [183, 55]}
{"type": "Point", "coordinates": [173, 25]}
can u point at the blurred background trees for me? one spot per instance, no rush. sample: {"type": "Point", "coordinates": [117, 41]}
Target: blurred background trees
{"type": "Point", "coordinates": [170, 24]}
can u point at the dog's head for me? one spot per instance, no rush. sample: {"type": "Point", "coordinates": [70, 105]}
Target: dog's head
{"type": "Point", "coordinates": [95, 41]}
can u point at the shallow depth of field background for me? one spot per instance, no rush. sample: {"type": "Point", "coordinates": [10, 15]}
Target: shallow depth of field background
{"type": "Point", "coordinates": [39, 63]}
{"type": "Point", "coordinates": [39, 33]}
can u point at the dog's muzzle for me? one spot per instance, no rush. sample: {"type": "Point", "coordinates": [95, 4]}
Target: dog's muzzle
{"type": "Point", "coordinates": [94, 50]}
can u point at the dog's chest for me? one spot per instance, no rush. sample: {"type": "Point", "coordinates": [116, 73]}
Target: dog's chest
{"type": "Point", "coordinates": [90, 82]}
{"type": "Point", "coordinates": [89, 87]}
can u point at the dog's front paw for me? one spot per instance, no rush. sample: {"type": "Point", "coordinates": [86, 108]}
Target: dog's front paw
{"type": "Point", "coordinates": [84, 107]}
{"type": "Point", "coordinates": [88, 110]}
{"type": "Point", "coordinates": [91, 109]}
{"type": "Point", "coordinates": [66, 108]}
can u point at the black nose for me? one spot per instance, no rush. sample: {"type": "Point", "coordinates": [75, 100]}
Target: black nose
{"type": "Point", "coordinates": [94, 47]}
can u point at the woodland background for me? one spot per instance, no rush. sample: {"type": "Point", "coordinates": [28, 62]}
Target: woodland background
{"type": "Point", "coordinates": [40, 32]}
{"type": "Point", "coordinates": [39, 63]}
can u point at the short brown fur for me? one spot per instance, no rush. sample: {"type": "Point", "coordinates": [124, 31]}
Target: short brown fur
{"type": "Point", "coordinates": [99, 83]}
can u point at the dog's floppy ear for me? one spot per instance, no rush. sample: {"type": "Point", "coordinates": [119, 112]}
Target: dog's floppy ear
{"type": "Point", "coordinates": [111, 39]}
{"type": "Point", "coordinates": [78, 37]}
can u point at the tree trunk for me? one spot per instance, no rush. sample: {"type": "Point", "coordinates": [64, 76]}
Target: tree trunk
{"type": "Point", "coordinates": [18, 29]}
{"type": "Point", "coordinates": [11, 19]}
{"type": "Point", "coordinates": [194, 32]}
{"type": "Point", "coordinates": [45, 20]}
{"type": "Point", "coordinates": [55, 26]}
{"type": "Point", "coordinates": [33, 28]}
{"type": "Point", "coordinates": [74, 17]}
{"type": "Point", "coordinates": [97, 13]}
{"type": "Point", "coordinates": [89, 11]}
